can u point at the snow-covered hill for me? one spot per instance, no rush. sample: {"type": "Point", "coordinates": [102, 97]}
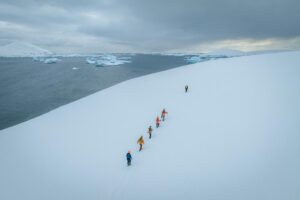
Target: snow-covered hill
{"type": "Point", "coordinates": [233, 136]}
{"type": "Point", "coordinates": [22, 49]}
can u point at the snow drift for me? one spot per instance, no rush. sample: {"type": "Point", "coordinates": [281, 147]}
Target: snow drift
{"type": "Point", "coordinates": [234, 136]}
{"type": "Point", "coordinates": [22, 49]}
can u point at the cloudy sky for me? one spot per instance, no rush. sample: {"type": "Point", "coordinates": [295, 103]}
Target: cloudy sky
{"type": "Point", "coordinates": [66, 26]}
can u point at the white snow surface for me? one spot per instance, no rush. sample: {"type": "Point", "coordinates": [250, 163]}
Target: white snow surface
{"type": "Point", "coordinates": [233, 136]}
{"type": "Point", "coordinates": [22, 49]}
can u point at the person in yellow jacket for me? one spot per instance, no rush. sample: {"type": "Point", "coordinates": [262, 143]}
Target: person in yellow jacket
{"type": "Point", "coordinates": [141, 142]}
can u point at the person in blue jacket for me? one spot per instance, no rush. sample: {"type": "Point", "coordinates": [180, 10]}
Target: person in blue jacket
{"type": "Point", "coordinates": [129, 158]}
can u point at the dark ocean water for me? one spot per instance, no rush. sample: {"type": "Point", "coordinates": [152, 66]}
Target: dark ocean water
{"type": "Point", "coordinates": [29, 89]}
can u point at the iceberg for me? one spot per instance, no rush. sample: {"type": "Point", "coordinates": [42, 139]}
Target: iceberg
{"type": "Point", "coordinates": [194, 59]}
{"type": "Point", "coordinates": [91, 61]}
{"type": "Point", "coordinates": [51, 60]}
{"type": "Point", "coordinates": [108, 60]}
{"type": "Point", "coordinates": [46, 60]}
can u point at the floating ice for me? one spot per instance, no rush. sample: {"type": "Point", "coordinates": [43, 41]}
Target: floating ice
{"type": "Point", "coordinates": [213, 56]}
{"type": "Point", "coordinates": [108, 60]}
{"type": "Point", "coordinates": [193, 59]}
{"type": "Point", "coordinates": [91, 60]}
{"type": "Point", "coordinates": [39, 59]}
{"type": "Point", "coordinates": [197, 58]}
{"type": "Point", "coordinates": [51, 60]}
{"type": "Point", "coordinates": [46, 60]}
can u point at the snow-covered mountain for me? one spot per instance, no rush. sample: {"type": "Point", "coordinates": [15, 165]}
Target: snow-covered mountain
{"type": "Point", "coordinates": [226, 52]}
{"type": "Point", "coordinates": [217, 54]}
{"type": "Point", "coordinates": [22, 49]}
{"type": "Point", "coordinates": [233, 136]}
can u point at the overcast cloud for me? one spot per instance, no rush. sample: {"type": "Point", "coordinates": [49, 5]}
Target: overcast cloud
{"type": "Point", "coordinates": [151, 25]}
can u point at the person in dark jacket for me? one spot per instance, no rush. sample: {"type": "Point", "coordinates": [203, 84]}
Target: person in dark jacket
{"type": "Point", "coordinates": [129, 158]}
{"type": "Point", "coordinates": [150, 132]}
{"type": "Point", "coordinates": [163, 114]}
{"type": "Point", "coordinates": [186, 88]}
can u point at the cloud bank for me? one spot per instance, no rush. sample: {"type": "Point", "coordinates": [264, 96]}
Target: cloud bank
{"type": "Point", "coordinates": [72, 26]}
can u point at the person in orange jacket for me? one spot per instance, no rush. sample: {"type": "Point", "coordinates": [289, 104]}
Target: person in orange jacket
{"type": "Point", "coordinates": [163, 114]}
{"type": "Point", "coordinates": [141, 142]}
{"type": "Point", "coordinates": [157, 122]}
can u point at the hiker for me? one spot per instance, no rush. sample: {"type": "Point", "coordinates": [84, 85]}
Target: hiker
{"type": "Point", "coordinates": [141, 142]}
{"type": "Point", "coordinates": [157, 122]}
{"type": "Point", "coordinates": [163, 114]}
{"type": "Point", "coordinates": [186, 88]}
{"type": "Point", "coordinates": [150, 132]}
{"type": "Point", "coordinates": [129, 158]}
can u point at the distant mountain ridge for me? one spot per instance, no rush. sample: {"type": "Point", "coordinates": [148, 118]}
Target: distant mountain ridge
{"type": "Point", "coordinates": [226, 52]}
{"type": "Point", "coordinates": [22, 49]}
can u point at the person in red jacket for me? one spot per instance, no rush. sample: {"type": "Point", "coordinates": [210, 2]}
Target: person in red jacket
{"type": "Point", "coordinates": [163, 114]}
{"type": "Point", "coordinates": [157, 122]}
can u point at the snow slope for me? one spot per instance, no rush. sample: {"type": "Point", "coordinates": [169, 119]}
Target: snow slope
{"type": "Point", "coordinates": [22, 49]}
{"type": "Point", "coordinates": [234, 136]}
